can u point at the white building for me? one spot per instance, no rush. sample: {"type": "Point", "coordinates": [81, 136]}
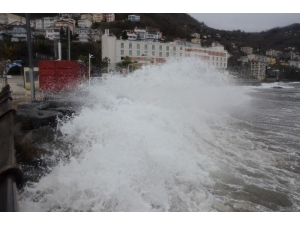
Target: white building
{"type": "Point", "coordinates": [84, 34]}
{"type": "Point", "coordinates": [52, 33]}
{"type": "Point", "coordinates": [134, 18]}
{"type": "Point", "coordinates": [274, 53]}
{"type": "Point", "coordinates": [84, 23]}
{"type": "Point", "coordinates": [295, 63]}
{"type": "Point", "coordinates": [144, 52]}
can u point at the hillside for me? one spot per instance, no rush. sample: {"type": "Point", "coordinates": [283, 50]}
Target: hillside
{"type": "Point", "coordinates": [181, 25]}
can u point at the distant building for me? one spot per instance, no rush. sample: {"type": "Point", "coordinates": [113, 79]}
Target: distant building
{"type": "Point", "coordinates": [295, 63]}
{"type": "Point", "coordinates": [86, 16]}
{"type": "Point", "coordinates": [109, 17]}
{"type": "Point", "coordinates": [98, 17]}
{"type": "Point", "coordinates": [258, 69]}
{"type": "Point", "coordinates": [19, 33]}
{"type": "Point", "coordinates": [96, 35]}
{"type": "Point", "coordinates": [52, 33]}
{"type": "Point", "coordinates": [8, 18]}
{"type": "Point", "coordinates": [247, 50]}
{"type": "Point", "coordinates": [145, 52]}
{"type": "Point", "coordinates": [84, 23]}
{"type": "Point", "coordinates": [274, 53]}
{"type": "Point", "coordinates": [84, 34]}
{"type": "Point", "coordinates": [134, 18]}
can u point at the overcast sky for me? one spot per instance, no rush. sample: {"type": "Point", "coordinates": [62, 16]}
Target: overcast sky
{"type": "Point", "coordinates": [248, 22]}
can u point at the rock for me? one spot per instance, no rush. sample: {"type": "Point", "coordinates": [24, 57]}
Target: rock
{"type": "Point", "coordinates": [34, 118]}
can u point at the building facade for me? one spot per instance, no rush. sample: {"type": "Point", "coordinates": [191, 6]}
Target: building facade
{"type": "Point", "coordinates": [247, 50]}
{"type": "Point", "coordinates": [134, 18]}
{"type": "Point", "coordinates": [109, 17]}
{"type": "Point", "coordinates": [98, 17]}
{"type": "Point", "coordinates": [8, 18]}
{"type": "Point", "coordinates": [258, 69]}
{"type": "Point", "coordinates": [145, 52]}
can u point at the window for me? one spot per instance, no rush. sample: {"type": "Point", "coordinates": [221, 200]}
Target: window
{"type": "Point", "coordinates": [213, 58]}
{"type": "Point", "coordinates": [174, 49]}
{"type": "Point", "coordinates": [224, 66]}
{"type": "Point", "coordinates": [160, 60]}
{"type": "Point", "coordinates": [167, 48]}
{"type": "Point", "coordinates": [160, 54]}
{"type": "Point", "coordinates": [130, 46]}
{"type": "Point", "coordinates": [217, 63]}
{"type": "Point", "coordinates": [167, 54]}
{"type": "Point", "coordinates": [130, 52]}
{"type": "Point", "coordinates": [122, 52]}
{"type": "Point", "coordinates": [138, 46]}
{"type": "Point", "coordinates": [138, 53]}
{"type": "Point", "coordinates": [217, 58]}
{"type": "Point", "coordinates": [153, 47]}
{"type": "Point", "coordinates": [153, 53]}
{"type": "Point", "coordinates": [122, 45]}
{"type": "Point", "coordinates": [180, 48]}
{"type": "Point", "coordinates": [146, 47]}
{"type": "Point", "coordinates": [221, 59]}
{"type": "Point", "coordinates": [160, 47]}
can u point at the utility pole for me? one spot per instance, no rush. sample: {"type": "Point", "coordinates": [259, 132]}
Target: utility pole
{"type": "Point", "coordinates": [69, 50]}
{"type": "Point", "coordinates": [29, 45]}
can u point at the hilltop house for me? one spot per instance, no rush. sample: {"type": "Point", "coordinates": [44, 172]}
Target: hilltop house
{"type": "Point", "coordinates": [19, 32]}
{"type": "Point", "coordinates": [247, 50]}
{"type": "Point", "coordinates": [134, 18]}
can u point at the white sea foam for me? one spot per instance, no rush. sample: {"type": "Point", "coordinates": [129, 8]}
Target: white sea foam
{"type": "Point", "coordinates": [159, 139]}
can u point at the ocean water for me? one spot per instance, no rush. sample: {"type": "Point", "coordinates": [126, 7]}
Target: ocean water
{"type": "Point", "coordinates": [175, 137]}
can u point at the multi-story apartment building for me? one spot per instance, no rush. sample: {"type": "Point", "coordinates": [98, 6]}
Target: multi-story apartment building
{"type": "Point", "coordinates": [52, 33]}
{"type": "Point", "coordinates": [258, 69]}
{"type": "Point", "coordinates": [109, 17]}
{"type": "Point", "coordinates": [145, 52]}
{"type": "Point", "coordinates": [87, 16]}
{"type": "Point", "coordinates": [274, 53]}
{"type": "Point", "coordinates": [8, 18]}
{"type": "Point", "coordinates": [84, 34]}
{"type": "Point", "coordinates": [65, 23]}
{"type": "Point", "coordinates": [49, 22]}
{"type": "Point", "coordinates": [84, 23]}
{"type": "Point", "coordinates": [98, 17]}
{"type": "Point", "coordinates": [247, 50]}
{"type": "Point", "coordinates": [19, 33]}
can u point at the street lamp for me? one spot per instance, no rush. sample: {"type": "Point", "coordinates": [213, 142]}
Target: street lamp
{"type": "Point", "coordinates": [90, 56]}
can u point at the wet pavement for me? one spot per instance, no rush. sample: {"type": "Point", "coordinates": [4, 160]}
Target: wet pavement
{"type": "Point", "coordinates": [18, 92]}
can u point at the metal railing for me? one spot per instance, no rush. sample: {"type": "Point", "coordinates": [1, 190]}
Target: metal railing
{"type": "Point", "coordinates": [10, 171]}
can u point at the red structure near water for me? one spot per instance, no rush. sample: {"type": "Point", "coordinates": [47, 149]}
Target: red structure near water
{"type": "Point", "coordinates": [60, 75]}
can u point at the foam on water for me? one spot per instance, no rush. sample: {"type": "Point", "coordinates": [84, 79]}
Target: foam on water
{"type": "Point", "coordinates": [160, 139]}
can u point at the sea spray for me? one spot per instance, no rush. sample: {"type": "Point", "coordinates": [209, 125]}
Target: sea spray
{"type": "Point", "coordinates": [159, 139]}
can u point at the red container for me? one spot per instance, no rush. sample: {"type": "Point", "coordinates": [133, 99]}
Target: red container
{"type": "Point", "coordinates": [60, 75]}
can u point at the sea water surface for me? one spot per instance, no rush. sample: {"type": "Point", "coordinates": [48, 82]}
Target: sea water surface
{"type": "Point", "coordinates": [176, 137]}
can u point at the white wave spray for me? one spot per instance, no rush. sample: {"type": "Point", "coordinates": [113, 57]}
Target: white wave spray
{"type": "Point", "coordinates": [158, 139]}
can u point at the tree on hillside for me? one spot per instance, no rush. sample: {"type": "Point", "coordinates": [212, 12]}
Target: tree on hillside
{"type": "Point", "coordinates": [124, 35]}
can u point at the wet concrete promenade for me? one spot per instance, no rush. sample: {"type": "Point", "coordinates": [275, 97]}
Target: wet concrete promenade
{"type": "Point", "coordinates": [18, 92]}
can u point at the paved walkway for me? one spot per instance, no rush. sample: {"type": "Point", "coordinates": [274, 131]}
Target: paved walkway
{"type": "Point", "coordinates": [18, 92]}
